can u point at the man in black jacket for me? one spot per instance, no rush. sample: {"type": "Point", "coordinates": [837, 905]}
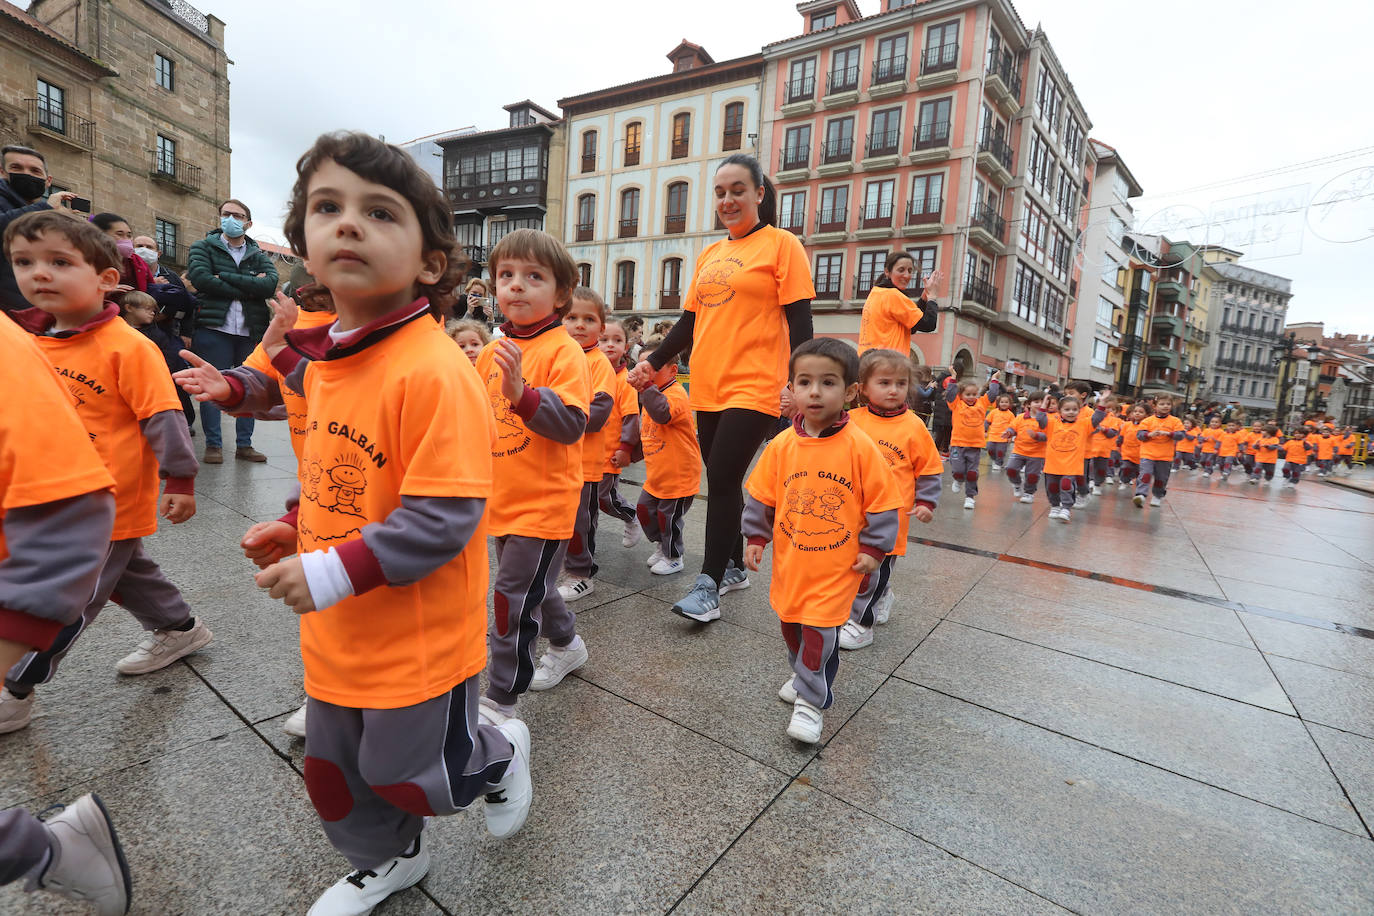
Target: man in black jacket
{"type": "Point", "coordinates": [233, 279]}
{"type": "Point", "coordinates": [26, 181]}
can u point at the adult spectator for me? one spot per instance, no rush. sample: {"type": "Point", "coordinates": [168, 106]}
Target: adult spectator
{"type": "Point", "coordinates": [134, 272]}
{"type": "Point", "coordinates": [233, 279]}
{"type": "Point", "coordinates": [176, 307]}
{"type": "Point", "coordinates": [890, 316]}
{"type": "Point", "coordinates": [26, 182]}
{"type": "Point", "coordinates": [474, 299]}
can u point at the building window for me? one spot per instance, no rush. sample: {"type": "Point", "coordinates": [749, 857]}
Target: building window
{"type": "Point", "coordinates": [670, 295]}
{"type": "Point", "coordinates": [827, 276]}
{"type": "Point", "coordinates": [942, 47]}
{"type": "Point", "coordinates": [165, 234]}
{"type": "Point", "coordinates": [634, 132]}
{"type": "Point", "coordinates": [927, 197]}
{"type": "Point", "coordinates": [844, 71]}
{"type": "Point", "coordinates": [1048, 100]}
{"type": "Point", "coordinates": [584, 274]}
{"type": "Point", "coordinates": [823, 20]}
{"type": "Point", "coordinates": [801, 80]}
{"type": "Point", "coordinates": [796, 147]}
{"type": "Point", "coordinates": [1105, 308]}
{"type": "Point", "coordinates": [839, 140]}
{"type": "Point", "coordinates": [1033, 227]}
{"type": "Point", "coordinates": [792, 212]}
{"type": "Point", "coordinates": [878, 196]}
{"type": "Point", "coordinates": [834, 209]}
{"type": "Point", "coordinates": [586, 217]}
{"type": "Point", "coordinates": [682, 134]}
{"type": "Point", "coordinates": [162, 69]}
{"type": "Point", "coordinates": [923, 259]}
{"type": "Point", "coordinates": [1254, 388]}
{"type": "Point", "coordinates": [629, 213]}
{"type": "Point", "coordinates": [1100, 350]}
{"type": "Point", "coordinates": [1266, 390]}
{"type": "Point", "coordinates": [885, 132]}
{"type": "Point", "coordinates": [676, 219]}
{"type": "Point", "coordinates": [1028, 290]}
{"type": "Point", "coordinates": [932, 130]}
{"type": "Point", "coordinates": [734, 126]}
{"type": "Point", "coordinates": [589, 151]}
{"type": "Point", "coordinates": [500, 228]}
{"type": "Point", "coordinates": [52, 107]}
{"type": "Point", "coordinates": [166, 155]}
{"type": "Point", "coordinates": [870, 269]}
{"type": "Point", "coordinates": [624, 286]}
{"type": "Point", "coordinates": [891, 63]}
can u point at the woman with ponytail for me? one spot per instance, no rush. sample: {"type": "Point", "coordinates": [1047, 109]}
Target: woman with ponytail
{"type": "Point", "coordinates": [890, 317]}
{"type": "Point", "coordinates": [748, 307]}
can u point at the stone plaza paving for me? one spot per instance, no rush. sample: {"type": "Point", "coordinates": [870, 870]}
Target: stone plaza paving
{"type": "Point", "coordinates": [1023, 736]}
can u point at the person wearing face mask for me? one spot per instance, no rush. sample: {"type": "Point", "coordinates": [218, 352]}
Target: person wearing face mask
{"type": "Point", "coordinates": [233, 279]}
{"type": "Point", "coordinates": [134, 273]}
{"type": "Point", "coordinates": [176, 308]}
{"type": "Point", "coordinates": [25, 183]}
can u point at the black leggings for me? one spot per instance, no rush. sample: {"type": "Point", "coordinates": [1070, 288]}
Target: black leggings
{"type": "Point", "coordinates": [729, 438]}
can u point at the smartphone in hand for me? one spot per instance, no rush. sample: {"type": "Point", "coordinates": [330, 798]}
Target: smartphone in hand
{"type": "Point", "coordinates": [80, 204]}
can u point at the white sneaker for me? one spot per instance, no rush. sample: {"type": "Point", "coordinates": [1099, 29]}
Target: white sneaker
{"type": "Point", "coordinates": [1109, 480]}
{"type": "Point", "coordinates": [359, 892]}
{"type": "Point", "coordinates": [1027, 498]}
{"type": "Point", "coordinates": [733, 580]}
{"type": "Point", "coordinates": [655, 557]}
{"type": "Point", "coordinates": [633, 533]}
{"type": "Point", "coordinates": [1156, 501]}
{"type": "Point", "coordinates": [855, 636]}
{"type": "Point", "coordinates": [883, 609]}
{"type": "Point", "coordinates": [955, 486]}
{"type": "Point", "coordinates": [1016, 491]}
{"type": "Point", "coordinates": [558, 663]}
{"type": "Point", "coordinates": [667, 567]}
{"type": "Point", "coordinates": [160, 648]}
{"type": "Point", "coordinates": [14, 712]}
{"type": "Point", "coordinates": [1123, 485]}
{"type": "Point", "coordinates": [788, 691]}
{"type": "Point", "coordinates": [1094, 490]}
{"type": "Point", "coordinates": [1139, 500]}
{"type": "Point", "coordinates": [87, 862]}
{"type": "Point", "coordinates": [968, 502]}
{"type": "Point", "coordinates": [508, 803]}
{"type": "Point", "coordinates": [295, 723]}
{"type": "Point", "coordinates": [490, 712]}
{"type": "Point", "coordinates": [806, 723]}
{"type": "Point", "coordinates": [576, 588]}
{"type": "Point", "coordinates": [1065, 515]}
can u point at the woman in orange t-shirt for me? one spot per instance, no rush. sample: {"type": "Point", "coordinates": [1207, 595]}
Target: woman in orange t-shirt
{"type": "Point", "coordinates": [890, 317]}
{"type": "Point", "coordinates": [748, 308]}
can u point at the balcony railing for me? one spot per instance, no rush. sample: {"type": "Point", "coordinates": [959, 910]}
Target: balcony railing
{"type": "Point", "coordinates": [624, 301]}
{"type": "Point", "coordinates": [1005, 68]}
{"type": "Point", "coordinates": [828, 288]}
{"type": "Point", "coordinates": [793, 221]}
{"type": "Point", "coordinates": [876, 216]}
{"type": "Point", "coordinates": [477, 254]}
{"type": "Point", "coordinates": [883, 143]}
{"type": "Point", "coordinates": [945, 57]}
{"type": "Point", "coordinates": [632, 155]}
{"type": "Point", "coordinates": [629, 228]}
{"type": "Point", "coordinates": [930, 135]}
{"type": "Point", "coordinates": [839, 150]}
{"type": "Point", "coordinates": [987, 219]}
{"type": "Point", "coordinates": [794, 157]}
{"type": "Point", "coordinates": [998, 147]}
{"type": "Point", "coordinates": [889, 69]}
{"type": "Point", "coordinates": [584, 231]}
{"type": "Point", "coordinates": [175, 171]}
{"type": "Point", "coordinates": [801, 89]}
{"type": "Point", "coordinates": [732, 138]}
{"type": "Point", "coordinates": [1131, 343]}
{"type": "Point", "coordinates": [924, 210]}
{"type": "Point", "coordinates": [674, 224]}
{"type": "Point", "coordinates": [982, 292]}
{"type": "Point", "coordinates": [589, 162]}
{"type": "Point", "coordinates": [680, 147]}
{"type": "Point", "coordinates": [845, 80]}
{"type": "Point", "coordinates": [670, 299]}
{"type": "Point", "coordinates": [831, 220]}
{"type": "Point", "coordinates": [46, 116]}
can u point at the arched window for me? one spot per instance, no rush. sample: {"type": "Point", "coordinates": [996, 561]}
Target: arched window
{"type": "Point", "coordinates": [586, 217]}
{"type": "Point", "coordinates": [670, 291]}
{"type": "Point", "coordinates": [634, 135]}
{"type": "Point", "coordinates": [734, 126]}
{"type": "Point", "coordinates": [584, 274]}
{"type": "Point", "coordinates": [676, 213]}
{"type": "Point", "coordinates": [589, 151]}
{"type": "Point", "coordinates": [682, 134]}
{"type": "Point", "coordinates": [629, 213]}
{"type": "Point", "coordinates": [624, 286]}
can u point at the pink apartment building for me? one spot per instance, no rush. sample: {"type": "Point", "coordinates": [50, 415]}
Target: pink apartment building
{"type": "Point", "coordinates": [946, 128]}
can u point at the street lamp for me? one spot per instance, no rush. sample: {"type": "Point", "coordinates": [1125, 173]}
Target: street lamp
{"type": "Point", "coordinates": [1283, 353]}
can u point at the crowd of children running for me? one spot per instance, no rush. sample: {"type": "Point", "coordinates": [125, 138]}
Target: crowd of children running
{"type": "Point", "coordinates": [414, 454]}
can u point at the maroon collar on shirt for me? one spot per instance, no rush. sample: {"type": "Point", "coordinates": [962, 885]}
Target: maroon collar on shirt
{"type": "Point", "coordinates": [826, 433]}
{"type": "Point", "coordinates": [888, 414]}
{"type": "Point", "coordinates": [37, 321]}
{"type": "Point", "coordinates": [511, 329]}
{"type": "Point", "coordinates": [316, 344]}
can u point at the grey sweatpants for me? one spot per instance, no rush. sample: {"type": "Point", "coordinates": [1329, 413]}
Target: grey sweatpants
{"type": "Point", "coordinates": [612, 503]}
{"type": "Point", "coordinates": [581, 559]}
{"type": "Point", "coordinates": [662, 521]}
{"type": "Point", "coordinates": [526, 603]}
{"type": "Point", "coordinates": [374, 775]}
{"type": "Point", "coordinates": [1156, 473]}
{"type": "Point", "coordinates": [24, 844]}
{"type": "Point", "coordinates": [814, 653]}
{"type": "Point", "coordinates": [963, 465]}
{"type": "Point", "coordinates": [871, 591]}
{"type": "Point", "coordinates": [132, 580]}
{"type": "Point", "coordinates": [1032, 466]}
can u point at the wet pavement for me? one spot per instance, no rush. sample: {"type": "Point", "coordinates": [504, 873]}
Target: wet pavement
{"type": "Point", "coordinates": [1146, 710]}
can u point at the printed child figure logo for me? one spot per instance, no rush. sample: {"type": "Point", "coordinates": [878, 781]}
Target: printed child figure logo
{"type": "Point", "coordinates": [651, 436]}
{"type": "Point", "coordinates": [1065, 440]}
{"type": "Point", "coordinates": [345, 482]}
{"type": "Point", "coordinates": [77, 400]}
{"type": "Point", "coordinates": [713, 286]}
{"type": "Point", "coordinates": [511, 436]}
{"type": "Point", "coordinates": [812, 514]}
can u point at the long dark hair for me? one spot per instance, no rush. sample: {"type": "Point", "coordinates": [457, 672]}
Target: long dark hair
{"type": "Point", "coordinates": [892, 258]}
{"type": "Point", "coordinates": [768, 208]}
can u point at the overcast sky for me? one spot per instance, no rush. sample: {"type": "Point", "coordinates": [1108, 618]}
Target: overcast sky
{"type": "Point", "coordinates": [1199, 97]}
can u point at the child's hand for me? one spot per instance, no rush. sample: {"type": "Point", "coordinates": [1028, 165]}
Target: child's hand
{"type": "Point", "coordinates": [922, 514]}
{"type": "Point", "coordinates": [176, 507]}
{"type": "Point", "coordinates": [866, 564]}
{"type": "Point", "coordinates": [267, 542]}
{"type": "Point", "coordinates": [284, 312]}
{"type": "Point", "coordinates": [286, 581]}
{"type": "Point", "coordinates": [753, 556]}
{"type": "Point", "coordinates": [621, 458]}
{"type": "Point", "coordinates": [509, 357]}
{"type": "Point", "coordinates": [641, 376]}
{"type": "Point", "coordinates": [202, 381]}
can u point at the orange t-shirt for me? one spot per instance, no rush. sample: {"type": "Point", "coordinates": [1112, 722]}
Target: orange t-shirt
{"type": "Point", "coordinates": [1211, 440]}
{"type": "Point", "coordinates": [1228, 444]}
{"type": "Point", "coordinates": [1130, 445]}
{"type": "Point", "coordinates": [1295, 450]}
{"type": "Point", "coordinates": [1161, 449]}
{"type": "Point", "coordinates": [998, 422]}
{"type": "Point", "coordinates": [293, 402]}
{"type": "Point", "coordinates": [1026, 443]}
{"type": "Point", "coordinates": [48, 456]}
{"type": "Point", "coordinates": [967, 420]}
{"type": "Point", "coordinates": [538, 480]}
{"type": "Point", "coordinates": [594, 444]}
{"type": "Point", "coordinates": [672, 456]}
{"type": "Point", "coordinates": [1326, 447]}
{"type": "Point", "coordinates": [1267, 449]}
{"type": "Point", "coordinates": [402, 417]}
{"type": "Point", "coordinates": [118, 378]}
{"type": "Point", "coordinates": [626, 404]}
{"type": "Point", "coordinates": [1348, 444]}
{"type": "Point", "coordinates": [1099, 444]}
{"type": "Point", "coordinates": [910, 452]}
{"type": "Point", "coordinates": [740, 345]}
{"type": "Point", "coordinates": [820, 489]}
{"type": "Point", "coordinates": [888, 317]}
{"type": "Point", "coordinates": [1068, 443]}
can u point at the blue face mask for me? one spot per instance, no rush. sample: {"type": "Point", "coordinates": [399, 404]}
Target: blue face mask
{"type": "Point", "coordinates": [231, 226]}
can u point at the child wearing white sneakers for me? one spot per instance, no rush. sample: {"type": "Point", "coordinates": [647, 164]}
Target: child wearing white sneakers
{"type": "Point", "coordinates": [672, 465]}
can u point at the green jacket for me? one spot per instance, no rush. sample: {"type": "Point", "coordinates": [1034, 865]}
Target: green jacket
{"type": "Point", "coordinates": [219, 281]}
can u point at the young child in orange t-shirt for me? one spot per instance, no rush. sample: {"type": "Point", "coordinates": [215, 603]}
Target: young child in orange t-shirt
{"type": "Point", "coordinates": [584, 320]}
{"type": "Point", "coordinates": [1159, 435]}
{"type": "Point", "coordinates": [998, 421]}
{"type": "Point", "coordinates": [1326, 443]}
{"type": "Point", "coordinates": [823, 493]}
{"type": "Point", "coordinates": [672, 465]}
{"type": "Point", "coordinates": [1184, 456]}
{"type": "Point", "coordinates": [1266, 452]}
{"type": "Point", "coordinates": [1228, 449]}
{"type": "Point", "coordinates": [884, 377]}
{"type": "Point", "coordinates": [1067, 442]}
{"type": "Point", "coordinates": [1345, 453]}
{"type": "Point", "coordinates": [390, 576]}
{"type": "Point", "coordinates": [126, 400]}
{"type": "Point", "coordinates": [1130, 447]}
{"type": "Point", "coordinates": [1105, 438]}
{"type": "Point", "coordinates": [1297, 450]}
{"type": "Point", "coordinates": [470, 336]}
{"type": "Point", "coordinates": [622, 434]}
{"type": "Point", "coordinates": [1028, 449]}
{"type": "Point", "coordinates": [1210, 436]}
{"type": "Point", "coordinates": [968, 409]}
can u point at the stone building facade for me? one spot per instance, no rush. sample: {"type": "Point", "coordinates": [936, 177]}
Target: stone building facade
{"type": "Point", "coordinates": [128, 100]}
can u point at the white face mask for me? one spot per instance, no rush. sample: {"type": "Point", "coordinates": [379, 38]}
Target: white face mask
{"type": "Point", "coordinates": [147, 254]}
